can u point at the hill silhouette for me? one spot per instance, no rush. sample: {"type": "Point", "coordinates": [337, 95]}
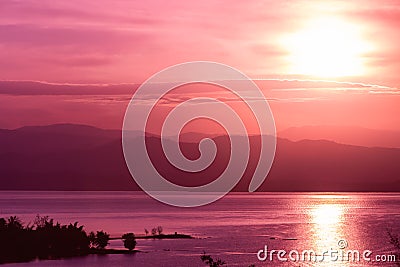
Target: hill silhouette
{"type": "Point", "coordinates": [79, 157]}
{"type": "Point", "coordinates": [351, 135]}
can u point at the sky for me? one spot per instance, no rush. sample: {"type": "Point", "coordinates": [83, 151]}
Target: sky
{"type": "Point", "coordinates": [103, 49]}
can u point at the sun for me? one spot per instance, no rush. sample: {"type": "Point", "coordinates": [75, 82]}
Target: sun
{"type": "Point", "coordinates": [327, 47]}
{"type": "Point", "coordinates": [327, 214]}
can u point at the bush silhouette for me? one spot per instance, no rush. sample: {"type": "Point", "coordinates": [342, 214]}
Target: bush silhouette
{"type": "Point", "coordinates": [208, 260]}
{"type": "Point", "coordinates": [99, 240]}
{"type": "Point", "coordinates": [44, 239]}
{"type": "Point", "coordinates": [47, 239]}
{"type": "Point", "coordinates": [154, 231]}
{"type": "Point", "coordinates": [159, 230]}
{"type": "Point", "coordinates": [129, 241]}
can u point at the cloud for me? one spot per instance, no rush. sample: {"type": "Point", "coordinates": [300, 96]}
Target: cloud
{"type": "Point", "coordinates": [127, 41]}
{"type": "Point", "coordinates": [28, 88]}
{"type": "Point", "coordinates": [269, 86]}
{"type": "Point", "coordinates": [118, 41]}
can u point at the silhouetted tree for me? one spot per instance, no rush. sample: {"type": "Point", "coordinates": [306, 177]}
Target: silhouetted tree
{"type": "Point", "coordinates": [159, 230]}
{"type": "Point", "coordinates": [3, 224]}
{"type": "Point", "coordinates": [92, 239]}
{"type": "Point", "coordinates": [14, 223]}
{"type": "Point", "coordinates": [154, 231]}
{"type": "Point", "coordinates": [129, 241]}
{"type": "Point", "coordinates": [207, 259]}
{"type": "Point", "coordinates": [40, 221]}
{"type": "Point", "coordinates": [146, 232]}
{"type": "Point", "coordinates": [101, 240]}
{"type": "Point", "coordinates": [16, 241]}
{"type": "Point", "coordinates": [60, 240]}
{"type": "Point", "coordinates": [44, 239]}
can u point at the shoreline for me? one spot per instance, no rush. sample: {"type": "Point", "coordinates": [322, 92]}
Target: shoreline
{"type": "Point", "coordinates": [46, 239]}
{"type": "Point", "coordinates": [161, 236]}
{"type": "Point", "coordinates": [107, 251]}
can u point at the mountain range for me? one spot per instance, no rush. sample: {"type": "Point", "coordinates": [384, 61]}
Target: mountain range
{"type": "Point", "coordinates": [80, 157]}
{"type": "Point", "coordinates": [352, 135]}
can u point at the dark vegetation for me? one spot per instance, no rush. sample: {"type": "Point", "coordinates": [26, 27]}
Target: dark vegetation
{"type": "Point", "coordinates": [45, 239]}
{"type": "Point", "coordinates": [209, 261]}
{"type": "Point", "coordinates": [99, 240]}
{"type": "Point", "coordinates": [157, 233]}
{"type": "Point", "coordinates": [129, 241]}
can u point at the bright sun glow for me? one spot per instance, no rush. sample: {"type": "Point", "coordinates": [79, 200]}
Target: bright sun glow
{"type": "Point", "coordinates": [327, 214]}
{"type": "Point", "coordinates": [327, 47]}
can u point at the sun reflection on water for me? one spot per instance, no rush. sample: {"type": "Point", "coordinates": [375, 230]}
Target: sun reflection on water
{"type": "Point", "coordinates": [327, 220]}
{"type": "Point", "coordinates": [327, 214]}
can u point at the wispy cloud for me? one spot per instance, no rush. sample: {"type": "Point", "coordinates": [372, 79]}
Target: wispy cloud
{"type": "Point", "coordinates": [127, 41]}
{"type": "Point", "coordinates": [269, 86]}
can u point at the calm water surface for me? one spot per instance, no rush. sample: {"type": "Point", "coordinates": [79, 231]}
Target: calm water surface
{"type": "Point", "coordinates": [232, 229]}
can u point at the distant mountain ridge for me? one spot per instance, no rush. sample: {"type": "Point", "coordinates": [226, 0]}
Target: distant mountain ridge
{"type": "Point", "coordinates": [80, 157]}
{"type": "Point", "coordinates": [351, 135]}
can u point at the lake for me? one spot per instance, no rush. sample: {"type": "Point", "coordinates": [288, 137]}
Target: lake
{"type": "Point", "coordinates": [233, 229]}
